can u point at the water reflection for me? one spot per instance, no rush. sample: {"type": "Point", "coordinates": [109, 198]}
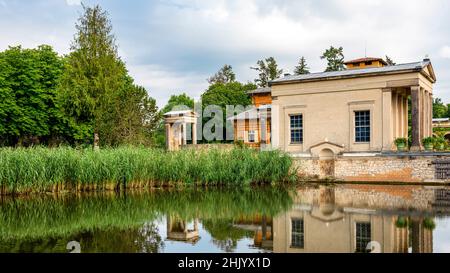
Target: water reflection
{"type": "Point", "coordinates": [341, 218]}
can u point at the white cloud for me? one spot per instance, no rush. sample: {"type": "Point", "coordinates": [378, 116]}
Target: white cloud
{"type": "Point", "coordinates": [445, 52]}
{"type": "Point", "coordinates": [161, 83]}
{"type": "Point", "coordinates": [73, 2]}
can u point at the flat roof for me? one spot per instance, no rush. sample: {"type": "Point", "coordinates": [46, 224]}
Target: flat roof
{"type": "Point", "coordinates": [366, 59]}
{"type": "Point", "coordinates": [351, 73]}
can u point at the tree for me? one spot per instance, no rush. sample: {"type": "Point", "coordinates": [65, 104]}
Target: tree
{"type": "Point", "coordinates": [29, 78]}
{"type": "Point", "coordinates": [176, 102]}
{"type": "Point", "coordinates": [139, 116]}
{"type": "Point", "coordinates": [93, 76]}
{"type": "Point", "coordinates": [302, 68]}
{"type": "Point", "coordinates": [389, 61]}
{"type": "Point", "coordinates": [335, 59]}
{"type": "Point", "coordinates": [225, 75]}
{"type": "Point", "coordinates": [268, 71]}
{"type": "Point", "coordinates": [439, 109]}
{"type": "Point", "coordinates": [232, 94]}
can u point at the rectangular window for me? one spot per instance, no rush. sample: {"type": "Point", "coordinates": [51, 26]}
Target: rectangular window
{"type": "Point", "coordinates": [362, 126]}
{"type": "Point", "coordinates": [363, 236]}
{"type": "Point", "coordinates": [252, 136]}
{"type": "Point", "coordinates": [296, 129]}
{"type": "Point", "coordinates": [298, 234]}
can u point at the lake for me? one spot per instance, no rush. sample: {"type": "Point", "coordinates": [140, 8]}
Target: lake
{"type": "Point", "coordinates": [343, 218]}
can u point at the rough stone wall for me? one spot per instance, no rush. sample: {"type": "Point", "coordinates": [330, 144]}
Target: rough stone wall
{"type": "Point", "coordinates": [379, 169]}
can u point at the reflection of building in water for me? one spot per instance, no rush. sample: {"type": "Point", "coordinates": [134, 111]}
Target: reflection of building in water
{"type": "Point", "coordinates": [325, 225]}
{"type": "Point", "coordinates": [421, 237]}
{"type": "Point", "coordinates": [262, 227]}
{"type": "Point", "coordinates": [178, 230]}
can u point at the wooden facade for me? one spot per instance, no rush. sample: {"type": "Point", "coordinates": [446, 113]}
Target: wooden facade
{"type": "Point", "coordinates": [253, 127]}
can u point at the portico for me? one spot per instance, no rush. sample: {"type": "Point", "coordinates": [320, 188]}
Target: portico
{"type": "Point", "coordinates": [181, 127]}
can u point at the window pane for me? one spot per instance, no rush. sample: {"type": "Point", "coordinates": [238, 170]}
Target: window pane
{"type": "Point", "coordinates": [298, 235]}
{"type": "Point", "coordinates": [362, 126]}
{"type": "Point", "coordinates": [296, 128]}
{"type": "Point", "coordinates": [363, 236]}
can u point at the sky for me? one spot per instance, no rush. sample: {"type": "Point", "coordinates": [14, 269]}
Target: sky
{"type": "Point", "coordinates": [173, 46]}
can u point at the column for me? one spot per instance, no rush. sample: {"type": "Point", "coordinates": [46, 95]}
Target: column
{"type": "Point", "coordinates": [194, 133]}
{"type": "Point", "coordinates": [416, 118]}
{"type": "Point", "coordinates": [430, 112]}
{"type": "Point", "coordinates": [387, 120]}
{"type": "Point", "coordinates": [184, 133]}
{"type": "Point", "coordinates": [406, 116]}
{"type": "Point", "coordinates": [168, 137]}
{"type": "Point", "coordinates": [401, 104]}
{"type": "Point", "coordinates": [422, 113]}
{"type": "Point", "coordinates": [425, 113]}
{"type": "Point", "coordinates": [399, 115]}
{"type": "Point", "coordinates": [276, 127]}
{"type": "Point", "coordinates": [430, 115]}
{"type": "Point", "coordinates": [394, 115]}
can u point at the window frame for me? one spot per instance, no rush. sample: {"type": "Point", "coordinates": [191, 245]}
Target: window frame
{"type": "Point", "coordinates": [300, 129]}
{"type": "Point", "coordinates": [251, 133]}
{"type": "Point", "coordinates": [367, 138]}
{"type": "Point", "coordinates": [361, 245]}
{"type": "Point", "coordinates": [301, 233]}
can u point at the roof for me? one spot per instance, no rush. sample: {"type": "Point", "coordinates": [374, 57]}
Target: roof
{"type": "Point", "coordinates": [179, 113]}
{"type": "Point", "coordinates": [352, 73]}
{"type": "Point", "coordinates": [252, 114]}
{"type": "Point", "coordinates": [260, 91]}
{"type": "Point", "coordinates": [367, 59]}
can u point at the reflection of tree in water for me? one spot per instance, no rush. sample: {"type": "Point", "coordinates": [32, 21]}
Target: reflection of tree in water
{"type": "Point", "coordinates": [224, 234]}
{"type": "Point", "coordinates": [149, 239]}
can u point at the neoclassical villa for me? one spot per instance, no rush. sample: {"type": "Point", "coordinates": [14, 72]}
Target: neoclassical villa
{"type": "Point", "coordinates": [360, 110]}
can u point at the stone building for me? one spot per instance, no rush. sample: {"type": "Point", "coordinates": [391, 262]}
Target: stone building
{"type": "Point", "coordinates": [362, 109]}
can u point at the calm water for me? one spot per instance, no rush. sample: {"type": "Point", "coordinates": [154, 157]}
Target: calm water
{"type": "Point", "coordinates": [343, 218]}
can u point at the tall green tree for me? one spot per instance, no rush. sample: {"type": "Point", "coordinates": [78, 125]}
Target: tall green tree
{"type": "Point", "coordinates": [224, 75]}
{"type": "Point", "coordinates": [29, 113]}
{"type": "Point", "coordinates": [98, 95]}
{"type": "Point", "coordinates": [335, 59]}
{"type": "Point", "coordinates": [302, 67]}
{"type": "Point", "coordinates": [268, 71]}
{"type": "Point", "coordinates": [93, 74]}
{"type": "Point", "coordinates": [440, 110]}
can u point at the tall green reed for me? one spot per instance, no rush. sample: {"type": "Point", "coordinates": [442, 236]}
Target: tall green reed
{"type": "Point", "coordinates": [41, 169]}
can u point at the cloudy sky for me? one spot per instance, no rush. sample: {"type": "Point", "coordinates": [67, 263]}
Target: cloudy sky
{"type": "Point", "coordinates": [173, 46]}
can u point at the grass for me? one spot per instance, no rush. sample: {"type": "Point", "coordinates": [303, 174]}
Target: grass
{"type": "Point", "coordinates": [42, 170]}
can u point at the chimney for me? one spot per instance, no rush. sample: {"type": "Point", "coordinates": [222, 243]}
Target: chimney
{"type": "Point", "coordinates": [287, 75]}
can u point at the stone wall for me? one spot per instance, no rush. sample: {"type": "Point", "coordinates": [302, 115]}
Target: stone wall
{"type": "Point", "coordinates": [379, 168]}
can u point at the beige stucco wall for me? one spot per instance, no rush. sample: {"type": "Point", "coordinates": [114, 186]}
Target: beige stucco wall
{"type": "Point", "coordinates": [328, 110]}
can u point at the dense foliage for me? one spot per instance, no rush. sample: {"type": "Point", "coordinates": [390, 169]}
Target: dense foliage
{"type": "Point", "coordinates": [48, 99]}
{"type": "Point", "coordinates": [29, 110]}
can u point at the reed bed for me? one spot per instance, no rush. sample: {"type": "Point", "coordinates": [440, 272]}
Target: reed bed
{"type": "Point", "coordinates": [66, 169]}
